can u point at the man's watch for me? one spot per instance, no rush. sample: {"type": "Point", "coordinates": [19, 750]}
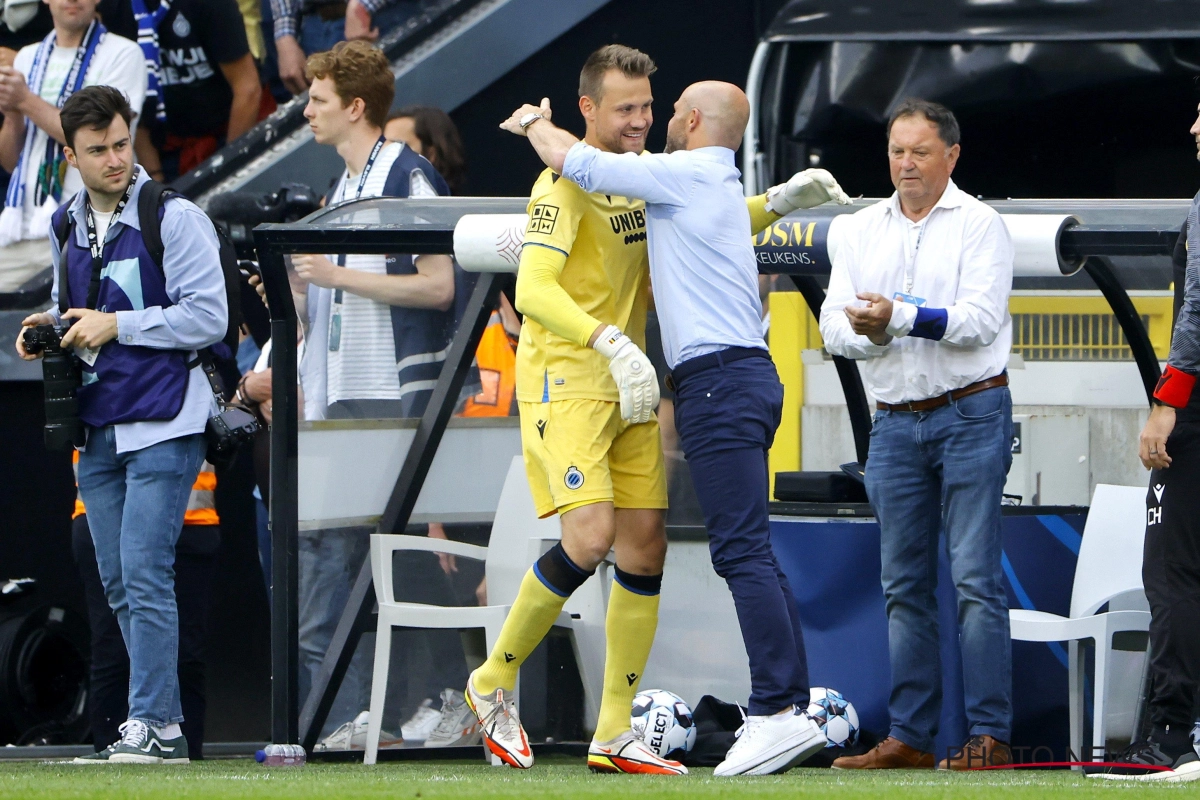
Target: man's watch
{"type": "Point", "coordinates": [529, 119]}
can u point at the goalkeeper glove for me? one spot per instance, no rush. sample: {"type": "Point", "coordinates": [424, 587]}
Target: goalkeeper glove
{"type": "Point", "coordinates": [636, 380]}
{"type": "Point", "coordinates": [806, 189]}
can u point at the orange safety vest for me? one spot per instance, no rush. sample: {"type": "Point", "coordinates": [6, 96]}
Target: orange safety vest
{"type": "Point", "coordinates": [201, 510]}
{"type": "Point", "coordinates": [497, 371]}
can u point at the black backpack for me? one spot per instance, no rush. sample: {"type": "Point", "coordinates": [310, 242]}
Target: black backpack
{"type": "Point", "coordinates": [150, 204]}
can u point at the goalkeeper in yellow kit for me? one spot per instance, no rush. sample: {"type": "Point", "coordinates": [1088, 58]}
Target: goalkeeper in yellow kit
{"type": "Point", "coordinates": [586, 393]}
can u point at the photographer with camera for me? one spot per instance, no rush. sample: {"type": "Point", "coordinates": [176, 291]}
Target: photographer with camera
{"type": "Point", "coordinates": [144, 398]}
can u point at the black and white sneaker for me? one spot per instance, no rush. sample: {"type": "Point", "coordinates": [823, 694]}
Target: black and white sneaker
{"type": "Point", "coordinates": [1146, 761]}
{"type": "Point", "coordinates": [141, 744]}
{"type": "Point", "coordinates": [97, 758]}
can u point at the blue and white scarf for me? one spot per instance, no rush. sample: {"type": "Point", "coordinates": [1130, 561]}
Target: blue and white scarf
{"type": "Point", "coordinates": [48, 182]}
{"type": "Point", "coordinates": [147, 25]}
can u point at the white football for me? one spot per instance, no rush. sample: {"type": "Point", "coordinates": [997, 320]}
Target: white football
{"type": "Point", "coordinates": [836, 716]}
{"type": "Point", "coordinates": [663, 721]}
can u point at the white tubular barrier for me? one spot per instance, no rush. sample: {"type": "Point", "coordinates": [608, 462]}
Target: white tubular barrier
{"type": "Point", "coordinates": [492, 242]}
{"type": "Point", "coordinates": [1035, 240]}
{"type": "Point", "coordinates": [1035, 243]}
{"type": "Point", "coordinates": [489, 242]}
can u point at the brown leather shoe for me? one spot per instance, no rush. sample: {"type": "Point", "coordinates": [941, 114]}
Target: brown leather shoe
{"type": "Point", "coordinates": [980, 751]}
{"type": "Point", "coordinates": [888, 754]}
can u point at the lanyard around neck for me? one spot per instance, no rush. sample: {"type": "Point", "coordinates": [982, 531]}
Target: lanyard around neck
{"type": "Point", "coordinates": [910, 266]}
{"type": "Point", "coordinates": [362, 179]}
{"type": "Point", "coordinates": [97, 246]}
{"type": "Point", "coordinates": [362, 182]}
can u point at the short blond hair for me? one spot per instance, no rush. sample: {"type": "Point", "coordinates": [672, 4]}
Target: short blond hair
{"type": "Point", "coordinates": [357, 70]}
{"type": "Point", "coordinates": [632, 64]}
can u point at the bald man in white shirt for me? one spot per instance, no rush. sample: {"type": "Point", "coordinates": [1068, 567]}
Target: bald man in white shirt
{"type": "Point", "coordinates": [919, 292]}
{"type": "Point", "coordinates": [728, 398]}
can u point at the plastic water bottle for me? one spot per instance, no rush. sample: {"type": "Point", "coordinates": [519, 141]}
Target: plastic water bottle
{"type": "Point", "coordinates": [281, 755]}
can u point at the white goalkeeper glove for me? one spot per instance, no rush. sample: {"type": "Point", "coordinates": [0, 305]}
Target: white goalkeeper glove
{"type": "Point", "coordinates": [636, 380]}
{"type": "Point", "coordinates": [806, 189]}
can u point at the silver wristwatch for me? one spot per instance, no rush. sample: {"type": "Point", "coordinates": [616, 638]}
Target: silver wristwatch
{"type": "Point", "coordinates": [529, 119]}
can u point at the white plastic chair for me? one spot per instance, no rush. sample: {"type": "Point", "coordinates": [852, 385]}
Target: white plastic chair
{"type": "Point", "coordinates": [1108, 571]}
{"type": "Point", "coordinates": [517, 539]}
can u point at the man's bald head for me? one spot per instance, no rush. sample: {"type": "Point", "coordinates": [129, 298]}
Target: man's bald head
{"type": "Point", "coordinates": [707, 114]}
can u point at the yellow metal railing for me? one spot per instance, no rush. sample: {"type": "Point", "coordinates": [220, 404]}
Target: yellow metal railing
{"type": "Point", "coordinates": [1047, 326]}
{"type": "Point", "coordinates": [1081, 327]}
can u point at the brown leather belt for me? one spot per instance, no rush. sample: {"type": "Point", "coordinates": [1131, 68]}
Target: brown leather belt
{"type": "Point", "coordinates": [931, 403]}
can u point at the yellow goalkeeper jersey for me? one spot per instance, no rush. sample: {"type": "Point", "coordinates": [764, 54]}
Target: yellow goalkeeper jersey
{"type": "Point", "coordinates": [606, 273]}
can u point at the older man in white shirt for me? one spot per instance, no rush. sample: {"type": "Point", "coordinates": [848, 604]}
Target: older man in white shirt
{"type": "Point", "coordinates": [919, 291]}
{"type": "Point", "coordinates": [728, 398]}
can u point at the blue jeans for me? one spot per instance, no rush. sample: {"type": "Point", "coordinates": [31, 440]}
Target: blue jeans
{"type": "Point", "coordinates": [726, 417]}
{"type": "Point", "coordinates": [927, 472]}
{"type": "Point", "coordinates": [329, 561]}
{"type": "Point", "coordinates": [318, 35]}
{"type": "Point", "coordinates": [135, 503]}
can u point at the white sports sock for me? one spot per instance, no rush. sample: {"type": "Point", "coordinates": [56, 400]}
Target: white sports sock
{"type": "Point", "coordinates": [172, 731]}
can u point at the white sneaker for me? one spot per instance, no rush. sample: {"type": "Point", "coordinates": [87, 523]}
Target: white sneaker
{"type": "Point", "coordinates": [421, 723]}
{"type": "Point", "coordinates": [770, 744]}
{"type": "Point", "coordinates": [352, 735]}
{"type": "Point", "coordinates": [502, 731]}
{"type": "Point", "coordinates": [629, 754]}
{"type": "Point", "coordinates": [457, 724]}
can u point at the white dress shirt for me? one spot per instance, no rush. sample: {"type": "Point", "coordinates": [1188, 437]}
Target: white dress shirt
{"type": "Point", "coordinates": [957, 264]}
{"type": "Point", "coordinates": [698, 231]}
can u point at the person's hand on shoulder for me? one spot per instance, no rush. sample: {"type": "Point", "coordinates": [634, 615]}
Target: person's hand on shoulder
{"type": "Point", "coordinates": [806, 189]}
{"type": "Point", "coordinates": [513, 123]}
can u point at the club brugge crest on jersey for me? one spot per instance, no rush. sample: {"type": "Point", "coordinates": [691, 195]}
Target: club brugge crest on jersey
{"type": "Point", "coordinates": [574, 478]}
{"type": "Point", "coordinates": [181, 26]}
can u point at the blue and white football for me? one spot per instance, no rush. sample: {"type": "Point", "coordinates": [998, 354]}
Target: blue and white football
{"type": "Point", "coordinates": [664, 722]}
{"type": "Point", "coordinates": [836, 716]}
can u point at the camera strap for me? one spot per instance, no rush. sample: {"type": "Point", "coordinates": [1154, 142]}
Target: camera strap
{"type": "Point", "coordinates": [204, 358]}
{"type": "Point", "coordinates": [96, 246]}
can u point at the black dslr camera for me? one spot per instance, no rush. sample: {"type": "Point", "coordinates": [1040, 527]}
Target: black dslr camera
{"type": "Point", "coordinates": [61, 377]}
{"type": "Point", "coordinates": [237, 213]}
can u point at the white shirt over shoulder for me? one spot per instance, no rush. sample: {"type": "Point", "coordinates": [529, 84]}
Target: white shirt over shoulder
{"type": "Point", "coordinates": [956, 267]}
{"type": "Point", "coordinates": [698, 232]}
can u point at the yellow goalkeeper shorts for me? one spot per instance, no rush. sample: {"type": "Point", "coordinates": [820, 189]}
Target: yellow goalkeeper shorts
{"type": "Point", "coordinates": [580, 451]}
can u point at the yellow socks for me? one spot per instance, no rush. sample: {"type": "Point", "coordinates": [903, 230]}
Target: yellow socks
{"type": "Point", "coordinates": [630, 626]}
{"type": "Point", "coordinates": [544, 590]}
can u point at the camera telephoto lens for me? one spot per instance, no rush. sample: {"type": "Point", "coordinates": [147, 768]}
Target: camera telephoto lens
{"type": "Point", "coordinates": [61, 376]}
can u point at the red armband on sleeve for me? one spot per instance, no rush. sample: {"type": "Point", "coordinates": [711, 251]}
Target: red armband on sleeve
{"type": "Point", "coordinates": [1175, 387]}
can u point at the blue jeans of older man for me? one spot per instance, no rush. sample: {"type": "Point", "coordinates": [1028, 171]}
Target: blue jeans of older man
{"type": "Point", "coordinates": [135, 503]}
{"type": "Point", "coordinates": [929, 472]}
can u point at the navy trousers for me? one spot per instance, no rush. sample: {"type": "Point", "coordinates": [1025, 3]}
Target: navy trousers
{"type": "Point", "coordinates": [726, 417]}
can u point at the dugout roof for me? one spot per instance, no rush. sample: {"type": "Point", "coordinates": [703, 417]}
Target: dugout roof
{"type": "Point", "coordinates": [984, 20]}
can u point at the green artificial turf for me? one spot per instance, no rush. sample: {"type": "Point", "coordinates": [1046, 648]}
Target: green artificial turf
{"type": "Point", "coordinates": [552, 777]}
